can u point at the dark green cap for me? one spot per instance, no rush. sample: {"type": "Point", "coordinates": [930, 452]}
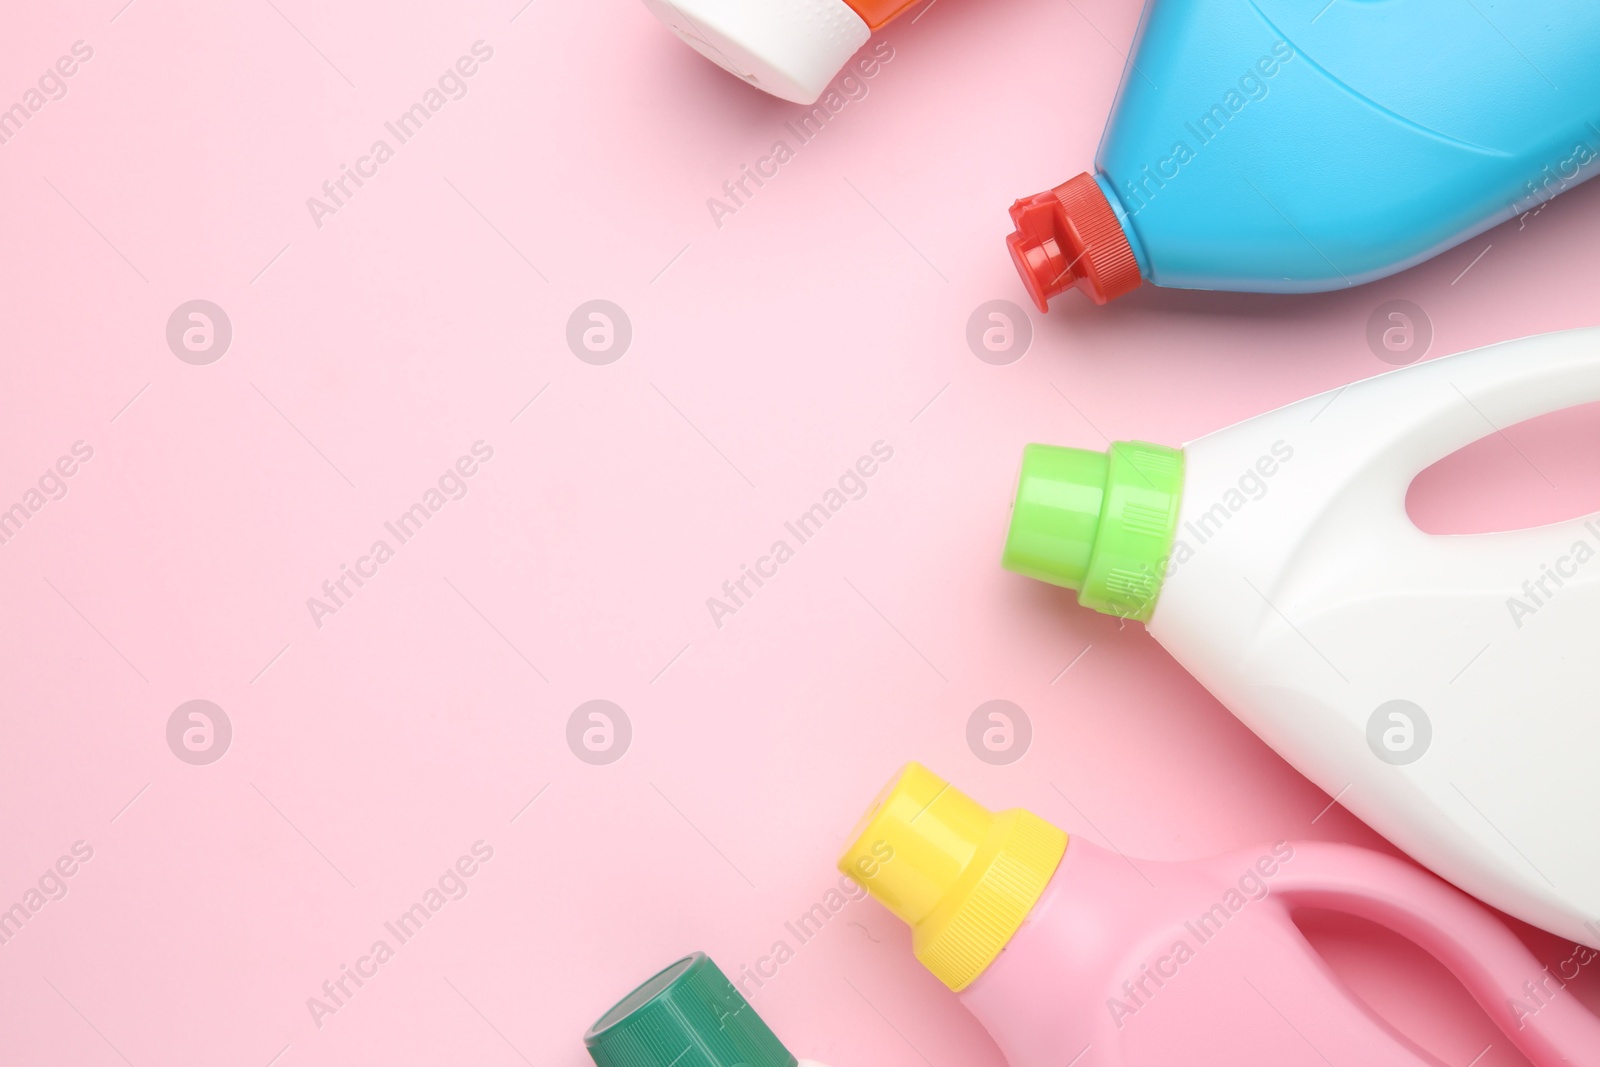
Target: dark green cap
{"type": "Point", "coordinates": [1102, 523]}
{"type": "Point", "coordinates": [689, 1015]}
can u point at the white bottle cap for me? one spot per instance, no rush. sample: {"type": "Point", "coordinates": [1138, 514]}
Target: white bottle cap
{"type": "Point", "coordinates": [789, 48]}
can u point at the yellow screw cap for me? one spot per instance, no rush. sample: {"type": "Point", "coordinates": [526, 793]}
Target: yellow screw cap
{"type": "Point", "coordinates": [962, 877]}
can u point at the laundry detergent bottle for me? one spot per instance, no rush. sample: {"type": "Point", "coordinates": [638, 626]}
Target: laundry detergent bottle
{"type": "Point", "coordinates": [1290, 146]}
{"type": "Point", "coordinates": [688, 1015]}
{"type": "Point", "coordinates": [789, 48]}
{"type": "Point", "coordinates": [1444, 688]}
{"type": "Point", "coordinates": [1071, 954]}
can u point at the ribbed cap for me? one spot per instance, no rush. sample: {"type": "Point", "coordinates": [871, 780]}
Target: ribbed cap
{"type": "Point", "coordinates": [1102, 523]}
{"type": "Point", "coordinates": [1071, 236]}
{"type": "Point", "coordinates": [689, 1015]}
{"type": "Point", "coordinates": [964, 878]}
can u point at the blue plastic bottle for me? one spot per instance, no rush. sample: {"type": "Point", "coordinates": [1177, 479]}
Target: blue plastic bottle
{"type": "Point", "coordinates": [1292, 146]}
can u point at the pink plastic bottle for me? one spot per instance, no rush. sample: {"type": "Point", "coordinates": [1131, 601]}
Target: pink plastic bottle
{"type": "Point", "coordinates": [1070, 954]}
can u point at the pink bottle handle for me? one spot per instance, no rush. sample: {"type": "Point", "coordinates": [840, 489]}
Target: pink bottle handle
{"type": "Point", "coordinates": [1462, 934]}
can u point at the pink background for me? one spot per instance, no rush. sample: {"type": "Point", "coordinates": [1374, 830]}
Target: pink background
{"type": "Point", "coordinates": [368, 354]}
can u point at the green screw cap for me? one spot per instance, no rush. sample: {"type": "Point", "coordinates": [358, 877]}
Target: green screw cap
{"type": "Point", "coordinates": [689, 1015]}
{"type": "Point", "coordinates": [1102, 523]}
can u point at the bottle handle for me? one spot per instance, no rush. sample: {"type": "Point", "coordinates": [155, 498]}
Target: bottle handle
{"type": "Point", "coordinates": [1551, 1027]}
{"type": "Point", "coordinates": [1400, 423]}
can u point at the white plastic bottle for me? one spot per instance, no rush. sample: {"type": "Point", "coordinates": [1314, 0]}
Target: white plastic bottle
{"type": "Point", "coordinates": [1444, 688]}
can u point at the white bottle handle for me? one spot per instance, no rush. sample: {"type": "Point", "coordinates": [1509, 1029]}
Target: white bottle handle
{"type": "Point", "coordinates": [1402, 422]}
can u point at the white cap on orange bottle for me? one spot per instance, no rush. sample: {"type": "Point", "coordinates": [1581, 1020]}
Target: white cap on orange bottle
{"type": "Point", "coordinates": [789, 48]}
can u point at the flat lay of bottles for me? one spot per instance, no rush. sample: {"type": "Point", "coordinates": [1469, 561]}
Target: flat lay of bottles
{"type": "Point", "coordinates": [1442, 688]}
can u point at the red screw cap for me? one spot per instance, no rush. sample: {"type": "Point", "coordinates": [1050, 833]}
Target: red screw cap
{"type": "Point", "coordinates": [1070, 236]}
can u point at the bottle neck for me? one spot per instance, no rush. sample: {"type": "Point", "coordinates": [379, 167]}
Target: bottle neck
{"type": "Point", "coordinates": [1044, 996]}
